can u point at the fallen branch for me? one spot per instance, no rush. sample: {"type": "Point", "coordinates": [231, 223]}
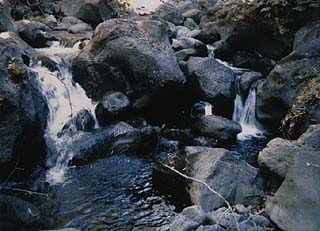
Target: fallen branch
{"type": "Point", "coordinates": [26, 191]}
{"type": "Point", "coordinates": [208, 187]}
{"type": "Point", "coordinates": [10, 175]}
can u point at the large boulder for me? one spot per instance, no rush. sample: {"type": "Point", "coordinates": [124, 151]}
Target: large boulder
{"type": "Point", "coordinates": [170, 12]}
{"type": "Point", "coordinates": [15, 212]}
{"type": "Point", "coordinates": [89, 11]}
{"type": "Point", "coordinates": [186, 43]}
{"type": "Point", "coordinates": [6, 21]}
{"type": "Point", "coordinates": [116, 138]}
{"type": "Point", "coordinates": [233, 178]}
{"type": "Point", "coordinates": [291, 91]}
{"type": "Point", "coordinates": [213, 82]}
{"type": "Point", "coordinates": [295, 206]}
{"type": "Point", "coordinates": [220, 128]}
{"type": "Point", "coordinates": [20, 103]}
{"type": "Point", "coordinates": [279, 154]}
{"type": "Point", "coordinates": [133, 57]}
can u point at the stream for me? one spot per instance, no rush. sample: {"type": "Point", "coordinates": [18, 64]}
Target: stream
{"type": "Point", "coordinates": [114, 193]}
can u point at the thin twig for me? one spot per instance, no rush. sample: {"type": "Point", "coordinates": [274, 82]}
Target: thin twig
{"type": "Point", "coordinates": [11, 174]}
{"type": "Point", "coordinates": [27, 191]}
{"type": "Point", "coordinates": [208, 187]}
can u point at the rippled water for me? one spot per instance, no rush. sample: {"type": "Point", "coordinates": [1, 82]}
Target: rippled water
{"type": "Point", "coordinates": [115, 193]}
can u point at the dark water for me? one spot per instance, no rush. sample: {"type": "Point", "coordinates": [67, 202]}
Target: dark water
{"type": "Point", "coordinates": [115, 193]}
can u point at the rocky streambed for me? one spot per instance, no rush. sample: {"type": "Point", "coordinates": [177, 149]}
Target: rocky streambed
{"type": "Point", "coordinates": [193, 115]}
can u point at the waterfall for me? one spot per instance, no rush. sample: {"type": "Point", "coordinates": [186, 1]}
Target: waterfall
{"type": "Point", "coordinates": [244, 107]}
{"type": "Point", "coordinates": [244, 112]}
{"type": "Point", "coordinates": [65, 99]}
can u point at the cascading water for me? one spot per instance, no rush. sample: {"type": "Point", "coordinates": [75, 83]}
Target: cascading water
{"type": "Point", "coordinates": [244, 107]}
{"type": "Point", "coordinates": [65, 99]}
{"type": "Point", "coordinates": [244, 112]}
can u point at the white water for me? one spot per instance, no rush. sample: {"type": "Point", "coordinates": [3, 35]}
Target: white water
{"type": "Point", "coordinates": [65, 99]}
{"type": "Point", "coordinates": [244, 109]}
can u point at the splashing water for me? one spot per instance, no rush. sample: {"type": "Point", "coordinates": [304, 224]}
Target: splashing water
{"type": "Point", "coordinates": [244, 109]}
{"type": "Point", "coordinates": [65, 99]}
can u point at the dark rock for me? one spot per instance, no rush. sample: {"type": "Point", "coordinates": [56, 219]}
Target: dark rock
{"type": "Point", "coordinates": [117, 138]}
{"type": "Point", "coordinates": [195, 14]}
{"type": "Point", "coordinates": [114, 106]}
{"type": "Point", "coordinates": [204, 36]}
{"type": "Point", "coordinates": [295, 204]}
{"type": "Point", "coordinates": [15, 212]}
{"type": "Point", "coordinates": [185, 54]}
{"type": "Point", "coordinates": [170, 12]}
{"type": "Point", "coordinates": [89, 11]}
{"type": "Point", "coordinates": [83, 121]}
{"type": "Point", "coordinates": [189, 219]}
{"type": "Point", "coordinates": [223, 217]}
{"type": "Point", "coordinates": [279, 154]}
{"type": "Point", "coordinates": [190, 43]}
{"type": "Point", "coordinates": [29, 31]}
{"type": "Point", "coordinates": [205, 142]}
{"type": "Point", "coordinates": [210, 228]}
{"type": "Point", "coordinates": [217, 127]}
{"type": "Point", "coordinates": [290, 83]}
{"type": "Point", "coordinates": [247, 79]}
{"type": "Point", "coordinates": [187, 5]}
{"type": "Point", "coordinates": [305, 35]}
{"type": "Point", "coordinates": [23, 112]}
{"type": "Point", "coordinates": [261, 221]}
{"type": "Point", "coordinates": [213, 82]}
{"type": "Point", "coordinates": [234, 179]}
{"type": "Point", "coordinates": [6, 21]}
{"type": "Point", "coordinates": [136, 58]}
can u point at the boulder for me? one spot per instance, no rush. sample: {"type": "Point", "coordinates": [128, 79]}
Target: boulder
{"type": "Point", "coordinates": [290, 83]}
{"type": "Point", "coordinates": [89, 11]}
{"type": "Point", "coordinates": [15, 213]}
{"type": "Point", "coordinates": [133, 57]}
{"type": "Point", "coordinates": [6, 21]}
{"type": "Point", "coordinates": [170, 12]}
{"type": "Point", "coordinates": [187, 43]}
{"type": "Point", "coordinates": [295, 206]}
{"type": "Point", "coordinates": [23, 111]}
{"type": "Point", "coordinates": [233, 178]}
{"type": "Point", "coordinates": [190, 24]}
{"type": "Point", "coordinates": [213, 82]}
{"type": "Point", "coordinates": [184, 55]}
{"type": "Point", "coordinates": [189, 219]}
{"type": "Point", "coordinates": [279, 153]}
{"type": "Point", "coordinates": [83, 121]}
{"type": "Point", "coordinates": [247, 79]}
{"type": "Point", "coordinates": [80, 28]}
{"type": "Point", "coordinates": [32, 34]}
{"type": "Point", "coordinates": [182, 31]}
{"type": "Point", "coordinates": [210, 228]}
{"type": "Point", "coordinates": [195, 14]}
{"type": "Point", "coordinates": [116, 138]}
{"type": "Point", "coordinates": [203, 36]}
{"type": "Point", "coordinates": [114, 106]}
{"type": "Point", "coordinates": [217, 127]}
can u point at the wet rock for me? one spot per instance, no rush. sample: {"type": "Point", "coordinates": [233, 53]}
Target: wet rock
{"type": "Point", "coordinates": [217, 127]}
{"type": "Point", "coordinates": [279, 154]}
{"type": "Point", "coordinates": [17, 213]}
{"type": "Point", "coordinates": [170, 12]}
{"type": "Point", "coordinates": [185, 54]}
{"type": "Point", "coordinates": [89, 11]}
{"type": "Point", "coordinates": [234, 179]}
{"type": "Point", "coordinates": [116, 66]}
{"type": "Point", "coordinates": [6, 21]}
{"type": "Point", "coordinates": [23, 111]}
{"type": "Point", "coordinates": [29, 31]}
{"type": "Point", "coordinates": [205, 142]}
{"type": "Point", "coordinates": [116, 138]}
{"type": "Point", "coordinates": [210, 228]}
{"type": "Point", "coordinates": [189, 219]}
{"type": "Point", "coordinates": [295, 204]}
{"type": "Point", "coordinates": [83, 121]}
{"type": "Point", "coordinates": [195, 14]}
{"type": "Point", "coordinates": [261, 221]}
{"type": "Point", "coordinates": [190, 43]}
{"type": "Point", "coordinates": [247, 79]}
{"type": "Point", "coordinates": [114, 106]}
{"type": "Point", "coordinates": [213, 82]}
